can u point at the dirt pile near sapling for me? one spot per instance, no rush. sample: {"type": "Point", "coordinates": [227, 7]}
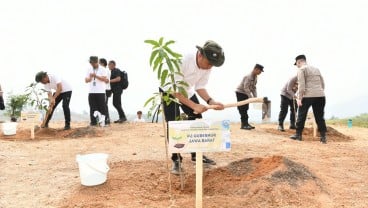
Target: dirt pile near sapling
{"type": "Point", "coordinates": [332, 134]}
{"type": "Point", "coordinates": [272, 181]}
{"type": "Point", "coordinates": [23, 134]}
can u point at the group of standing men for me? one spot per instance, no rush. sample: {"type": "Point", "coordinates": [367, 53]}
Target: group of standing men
{"type": "Point", "coordinates": [196, 69]}
{"type": "Point", "coordinates": [103, 82]}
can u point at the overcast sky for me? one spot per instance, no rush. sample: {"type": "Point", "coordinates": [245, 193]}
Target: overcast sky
{"type": "Point", "coordinates": [59, 36]}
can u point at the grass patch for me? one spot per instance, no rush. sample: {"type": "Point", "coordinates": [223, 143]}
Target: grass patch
{"type": "Point", "coordinates": [360, 121]}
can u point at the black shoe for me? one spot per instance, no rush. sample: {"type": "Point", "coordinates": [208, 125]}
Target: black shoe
{"type": "Point", "coordinates": [246, 127]}
{"type": "Point", "coordinates": [176, 168]}
{"type": "Point", "coordinates": [292, 127]}
{"type": "Point", "coordinates": [93, 124]}
{"type": "Point", "coordinates": [206, 160]}
{"type": "Point", "coordinates": [296, 137]}
{"type": "Point", "coordinates": [107, 122]}
{"type": "Point", "coordinates": [66, 127]}
{"type": "Point", "coordinates": [280, 128]}
{"type": "Point", "coordinates": [45, 126]}
{"type": "Point", "coordinates": [323, 140]}
{"type": "Point", "coordinates": [121, 120]}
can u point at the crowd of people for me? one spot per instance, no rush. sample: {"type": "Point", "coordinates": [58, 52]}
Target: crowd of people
{"type": "Point", "coordinates": [299, 93]}
{"type": "Point", "coordinates": [103, 83]}
{"type": "Point", "coordinates": [306, 88]}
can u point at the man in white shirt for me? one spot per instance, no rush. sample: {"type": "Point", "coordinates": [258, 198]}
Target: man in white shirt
{"type": "Point", "coordinates": [103, 63]}
{"type": "Point", "coordinates": [96, 77]}
{"type": "Point", "coordinates": [57, 90]}
{"type": "Point", "coordinates": [139, 118]}
{"type": "Point", "coordinates": [196, 69]}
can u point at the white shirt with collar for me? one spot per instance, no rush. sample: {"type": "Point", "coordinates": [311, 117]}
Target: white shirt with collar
{"type": "Point", "coordinates": [54, 80]}
{"type": "Point", "coordinates": [195, 77]}
{"type": "Point", "coordinates": [96, 85]}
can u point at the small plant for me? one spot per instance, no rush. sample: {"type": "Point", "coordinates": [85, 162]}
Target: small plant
{"type": "Point", "coordinates": [15, 105]}
{"type": "Point", "coordinates": [166, 63]}
{"type": "Point", "coordinates": [37, 97]}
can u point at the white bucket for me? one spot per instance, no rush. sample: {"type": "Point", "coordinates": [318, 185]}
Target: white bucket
{"type": "Point", "coordinates": [10, 128]}
{"type": "Point", "coordinates": [93, 168]}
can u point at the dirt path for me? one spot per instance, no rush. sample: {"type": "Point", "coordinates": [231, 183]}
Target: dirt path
{"type": "Point", "coordinates": [264, 169]}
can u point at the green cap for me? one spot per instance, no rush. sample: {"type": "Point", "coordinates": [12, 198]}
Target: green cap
{"type": "Point", "coordinates": [213, 52]}
{"type": "Point", "coordinates": [40, 75]}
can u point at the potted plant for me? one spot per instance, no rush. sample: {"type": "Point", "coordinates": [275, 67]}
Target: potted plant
{"type": "Point", "coordinates": [15, 105]}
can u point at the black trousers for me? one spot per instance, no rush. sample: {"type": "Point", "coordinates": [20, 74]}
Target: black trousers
{"type": "Point", "coordinates": [318, 106]}
{"type": "Point", "coordinates": [116, 101]}
{"type": "Point", "coordinates": [96, 103]}
{"type": "Point", "coordinates": [65, 97]}
{"type": "Point", "coordinates": [243, 110]}
{"type": "Point", "coordinates": [172, 113]}
{"type": "Point", "coordinates": [285, 104]}
{"type": "Point", "coordinates": [107, 118]}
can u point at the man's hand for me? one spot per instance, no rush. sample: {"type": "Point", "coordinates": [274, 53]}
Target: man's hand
{"type": "Point", "coordinates": [219, 106]}
{"type": "Point", "coordinates": [299, 102]}
{"type": "Point", "coordinates": [52, 102]}
{"type": "Point", "coordinates": [199, 108]}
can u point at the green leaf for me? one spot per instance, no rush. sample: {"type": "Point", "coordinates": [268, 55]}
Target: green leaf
{"type": "Point", "coordinates": [182, 83]}
{"type": "Point", "coordinates": [153, 55]}
{"type": "Point", "coordinates": [169, 42]}
{"type": "Point", "coordinates": [176, 64]}
{"type": "Point", "coordinates": [149, 100]}
{"type": "Point", "coordinates": [183, 91]}
{"type": "Point", "coordinates": [161, 41]}
{"type": "Point", "coordinates": [169, 64]}
{"type": "Point", "coordinates": [159, 71]}
{"type": "Point", "coordinates": [175, 55]}
{"type": "Point", "coordinates": [163, 76]}
{"type": "Point", "coordinates": [167, 84]}
{"type": "Point", "coordinates": [158, 61]}
{"type": "Point", "coordinates": [152, 42]}
{"type": "Point", "coordinates": [179, 73]}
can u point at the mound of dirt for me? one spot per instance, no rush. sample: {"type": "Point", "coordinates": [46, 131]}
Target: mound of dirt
{"type": "Point", "coordinates": [252, 182]}
{"type": "Point", "coordinates": [332, 134]}
{"type": "Point", "coordinates": [51, 133]}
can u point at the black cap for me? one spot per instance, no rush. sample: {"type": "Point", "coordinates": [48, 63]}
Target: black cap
{"type": "Point", "coordinates": [300, 57]}
{"type": "Point", "coordinates": [213, 52]}
{"type": "Point", "coordinates": [93, 59]}
{"type": "Point", "coordinates": [40, 75]}
{"type": "Point", "coordinates": [259, 66]}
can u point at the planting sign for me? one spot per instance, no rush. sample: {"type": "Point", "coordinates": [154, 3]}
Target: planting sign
{"type": "Point", "coordinates": [199, 136]}
{"type": "Point", "coordinates": [30, 117]}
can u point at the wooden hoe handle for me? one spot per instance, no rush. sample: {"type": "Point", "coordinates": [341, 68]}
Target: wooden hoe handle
{"type": "Point", "coordinates": [243, 102]}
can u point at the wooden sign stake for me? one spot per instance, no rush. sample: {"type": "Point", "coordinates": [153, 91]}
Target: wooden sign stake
{"type": "Point", "coordinates": [199, 179]}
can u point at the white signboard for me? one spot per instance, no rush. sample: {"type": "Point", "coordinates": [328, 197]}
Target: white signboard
{"type": "Point", "coordinates": [30, 117]}
{"type": "Point", "coordinates": [199, 136]}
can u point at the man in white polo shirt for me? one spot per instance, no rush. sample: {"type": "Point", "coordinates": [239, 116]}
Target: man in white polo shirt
{"type": "Point", "coordinates": [196, 69]}
{"type": "Point", "coordinates": [96, 77]}
{"type": "Point", "coordinates": [58, 90]}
